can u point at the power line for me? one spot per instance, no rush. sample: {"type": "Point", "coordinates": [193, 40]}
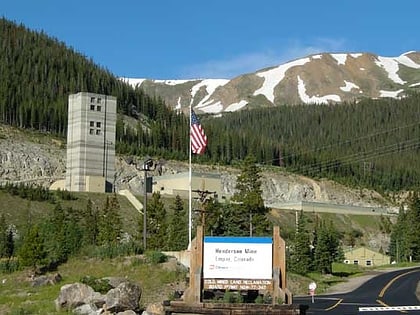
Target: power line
{"type": "Point", "coordinates": [362, 156]}
{"type": "Point", "coordinates": [341, 143]}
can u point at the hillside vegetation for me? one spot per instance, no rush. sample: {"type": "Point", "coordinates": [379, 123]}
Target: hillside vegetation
{"type": "Point", "coordinates": [371, 143]}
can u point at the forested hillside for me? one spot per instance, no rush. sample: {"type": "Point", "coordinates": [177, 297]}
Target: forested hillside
{"type": "Point", "coordinates": [37, 74]}
{"type": "Point", "coordinates": [373, 143]}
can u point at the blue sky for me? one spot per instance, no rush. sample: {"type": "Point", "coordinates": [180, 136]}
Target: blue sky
{"type": "Point", "coordinates": [185, 39]}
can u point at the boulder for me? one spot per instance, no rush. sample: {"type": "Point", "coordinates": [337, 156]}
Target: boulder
{"type": "Point", "coordinates": [124, 297]}
{"type": "Point", "coordinates": [77, 294]}
{"type": "Point", "coordinates": [154, 309]}
{"type": "Point", "coordinates": [46, 280]}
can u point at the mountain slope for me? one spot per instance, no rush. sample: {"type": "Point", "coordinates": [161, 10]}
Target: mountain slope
{"type": "Point", "coordinates": [316, 79]}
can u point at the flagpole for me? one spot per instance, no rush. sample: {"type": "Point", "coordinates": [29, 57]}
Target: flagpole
{"type": "Point", "coordinates": [189, 190]}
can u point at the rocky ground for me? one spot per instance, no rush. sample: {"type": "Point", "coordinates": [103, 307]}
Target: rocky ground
{"type": "Point", "coordinates": [25, 157]}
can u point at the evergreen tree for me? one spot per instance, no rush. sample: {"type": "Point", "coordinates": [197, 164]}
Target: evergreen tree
{"type": "Point", "coordinates": [327, 248]}
{"type": "Point", "coordinates": [300, 251]}
{"type": "Point", "coordinates": [248, 198]}
{"type": "Point", "coordinates": [3, 236]}
{"type": "Point", "coordinates": [89, 223]}
{"type": "Point", "coordinates": [177, 230]}
{"type": "Point", "coordinates": [398, 247]}
{"type": "Point", "coordinates": [10, 244]}
{"type": "Point", "coordinates": [54, 234]}
{"type": "Point", "coordinates": [413, 227]}
{"type": "Point", "coordinates": [214, 221]}
{"type": "Point", "coordinates": [156, 223]}
{"type": "Point", "coordinates": [110, 224]}
{"type": "Point", "coordinates": [32, 252]}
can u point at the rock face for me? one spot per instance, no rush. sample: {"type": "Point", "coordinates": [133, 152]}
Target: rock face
{"type": "Point", "coordinates": [43, 162]}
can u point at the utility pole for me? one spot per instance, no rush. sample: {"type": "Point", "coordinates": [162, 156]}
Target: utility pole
{"type": "Point", "coordinates": [202, 197]}
{"type": "Point", "coordinates": [148, 163]}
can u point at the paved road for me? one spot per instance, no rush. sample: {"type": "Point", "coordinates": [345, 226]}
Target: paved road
{"type": "Point", "coordinates": [388, 293]}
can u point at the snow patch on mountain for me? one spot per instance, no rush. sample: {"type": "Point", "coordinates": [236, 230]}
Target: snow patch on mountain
{"type": "Point", "coordinates": [274, 76]}
{"type": "Point", "coordinates": [314, 99]}
{"type": "Point", "coordinates": [236, 106]}
{"type": "Point", "coordinates": [393, 94]}
{"type": "Point", "coordinates": [349, 86]}
{"type": "Point", "coordinates": [390, 65]}
{"type": "Point", "coordinates": [210, 85]}
{"type": "Point", "coordinates": [341, 58]}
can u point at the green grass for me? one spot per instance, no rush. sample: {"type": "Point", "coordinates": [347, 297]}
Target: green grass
{"type": "Point", "coordinates": [19, 297]}
{"type": "Point", "coordinates": [18, 211]}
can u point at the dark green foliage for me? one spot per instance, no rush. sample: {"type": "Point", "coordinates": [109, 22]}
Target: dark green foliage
{"type": "Point", "coordinates": [89, 224]}
{"type": "Point", "coordinates": [62, 235]}
{"type": "Point", "coordinates": [300, 250]}
{"type": "Point", "coordinates": [32, 252]}
{"type": "Point", "coordinates": [327, 248]}
{"type": "Point", "coordinates": [248, 200]}
{"type": "Point", "coordinates": [109, 251]}
{"type": "Point", "coordinates": [214, 217]}
{"type": "Point", "coordinates": [98, 285]}
{"type": "Point", "coordinates": [372, 143]}
{"type": "Point", "coordinates": [29, 191]}
{"type": "Point", "coordinates": [156, 223]}
{"type": "Point", "coordinates": [177, 234]}
{"type": "Point", "coordinates": [66, 195]}
{"type": "Point", "coordinates": [3, 236]}
{"type": "Point", "coordinates": [314, 250]}
{"type": "Point", "coordinates": [110, 224]}
{"type": "Point", "coordinates": [232, 297]}
{"type": "Point", "coordinates": [155, 257]}
{"type": "Point", "coordinates": [41, 72]}
{"type": "Point", "coordinates": [405, 236]}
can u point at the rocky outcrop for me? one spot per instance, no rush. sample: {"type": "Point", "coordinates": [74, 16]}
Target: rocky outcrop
{"type": "Point", "coordinates": [82, 299]}
{"type": "Point", "coordinates": [43, 162]}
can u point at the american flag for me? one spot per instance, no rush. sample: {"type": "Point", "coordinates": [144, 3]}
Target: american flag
{"type": "Point", "coordinates": [198, 137]}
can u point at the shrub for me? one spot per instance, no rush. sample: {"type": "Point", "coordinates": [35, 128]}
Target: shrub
{"type": "Point", "coordinates": [99, 285]}
{"type": "Point", "coordinates": [155, 257]}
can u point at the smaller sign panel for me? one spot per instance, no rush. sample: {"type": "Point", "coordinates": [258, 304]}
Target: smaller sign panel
{"type": "Point", "coordinates": [238, 258]}
{"type": "Point", "coordinates": [238, 284]}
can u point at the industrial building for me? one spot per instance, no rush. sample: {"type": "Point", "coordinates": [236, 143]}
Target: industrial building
{"type": "Point", "coordinates": [90, 164]}
{"type": "Point", "coordinates": [178, 184]}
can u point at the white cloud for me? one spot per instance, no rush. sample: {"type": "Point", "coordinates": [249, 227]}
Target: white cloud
{"type": "Point", "coordinates": [231, 67]}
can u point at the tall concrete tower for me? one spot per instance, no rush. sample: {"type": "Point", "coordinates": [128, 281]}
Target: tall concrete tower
{"type": "Point", "coordinates": [91, 142]}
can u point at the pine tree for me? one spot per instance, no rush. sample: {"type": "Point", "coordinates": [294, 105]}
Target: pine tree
{"type": "Point", "coordinates": [327, 248]}
{"type": "Point", "coordinates": [248, 199]}
{"type": "Point", "coordinates": [398, 247]}
{"type": "Point", "coordinates": [177, 230]}
{"type": "Point", "coordinates": [412, 227]}
{"type": "Point", "coordinates": [110, 224]}
{"type": "Point", "coordinates": [300, 251]}
{"type": "Point", "coordinates": [3, 236]}
{"type": "Point", "coordinates": [89, 223]}
{"type": "Point", "coordinates": [156, 223]}
{"type": "Point", "coordinates": [54, 231]}
{"type": "Point", "coordinates": [32, 252]}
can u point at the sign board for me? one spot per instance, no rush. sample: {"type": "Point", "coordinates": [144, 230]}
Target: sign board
{"type": "Point", "coordinates": [238, 284]}
{"type": "Point", "coordinates": [312, 286]}
{"type": "Point", "coordinates": [243, 263]}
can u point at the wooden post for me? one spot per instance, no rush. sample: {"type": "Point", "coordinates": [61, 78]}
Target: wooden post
{"type": "Point", "coordinates": [279, 269]}
{"type": "Point", "coordinates": [193, 294]}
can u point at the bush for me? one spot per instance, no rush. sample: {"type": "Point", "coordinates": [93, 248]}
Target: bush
{"type": "Point", "coordinates": [9, 266]}
{"type": "Point", "coordinates": [155, 257]}
{"type": "Point", "coordinates": [232, 297]}
{"type": "Point", "coordinates": [99, 285]}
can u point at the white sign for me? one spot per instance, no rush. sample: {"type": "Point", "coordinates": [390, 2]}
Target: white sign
{"type": "Point", "coordinates": [238, 257]}
{"type": "Point", "coordinates": [312, 286]}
